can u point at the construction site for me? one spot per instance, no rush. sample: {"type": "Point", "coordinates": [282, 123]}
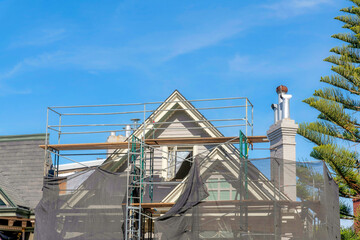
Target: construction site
{"type": "Point", "coordinates": [182, 169]}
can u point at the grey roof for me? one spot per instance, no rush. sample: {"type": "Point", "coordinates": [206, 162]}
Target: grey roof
{"type": "Point", "coordinates": [11, 192]}
{"type": "Point", "coordinates": [22, 165]}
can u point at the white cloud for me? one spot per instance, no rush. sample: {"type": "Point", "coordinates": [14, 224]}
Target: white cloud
{"type": "Point", "coordinates": [142, 53]}
{"type": "Point", "coordinates": [207, 37]}
{"type": "Point", "coordinates": [86, 58]}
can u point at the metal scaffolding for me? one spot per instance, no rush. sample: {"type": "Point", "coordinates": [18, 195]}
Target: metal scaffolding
{"type": "Point", "coordinates": [251, 192]}
{"type": "Point", "coordinates": [71, 126]}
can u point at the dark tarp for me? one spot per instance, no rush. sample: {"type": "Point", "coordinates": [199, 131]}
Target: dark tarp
{"type": "Point", "coordinates": [252, 216]}
{"type": "Point", "coordinates": [173, 224]}
{"type": "Point", "coordinates": [85, 206]}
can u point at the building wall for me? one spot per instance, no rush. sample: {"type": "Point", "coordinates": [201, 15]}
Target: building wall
{"type": "Point", "coordinates": [180, 126]}
{"type": "Point", "coordinates": [22, 163]}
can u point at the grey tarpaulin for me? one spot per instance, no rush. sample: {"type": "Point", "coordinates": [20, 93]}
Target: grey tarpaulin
{"type": "Point", "coordinates": [257, 210]}
{"type": "Point", "coordinates": [221, 198]}
{"type": "Point", "coordinates": [173, 224]}
{"type": "Point", "coordinates": [85, 206]}
{"type": "Point", "coordinates": [194, 192]}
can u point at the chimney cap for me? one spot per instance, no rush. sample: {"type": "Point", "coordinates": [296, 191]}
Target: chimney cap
{"type": "Point", "coordinates": [281, 89]}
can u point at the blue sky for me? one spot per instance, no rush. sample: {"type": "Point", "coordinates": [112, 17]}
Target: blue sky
{"type": "Point", "coordinates": [99, 52]}
{"type": "Point", "coordinates": [86, 52]}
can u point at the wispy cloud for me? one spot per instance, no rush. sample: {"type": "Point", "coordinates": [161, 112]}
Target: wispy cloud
{"type": "Point", "coordinates": [94, 58]}
{"type": "Point", "coordinates": [159, 47]}
{"type": "Point", "coordinates": [87, 58]}
{"type": "Point", "coordinates": [40, 37]}
{"type": "Point", "coordinates": [289, 8]}
{"type": "Point", "coordinates": [219, 31]}
{"type": "Point", "coordinates": [39, 61]}
{"type": "Point", "coordinates": [207, 37]}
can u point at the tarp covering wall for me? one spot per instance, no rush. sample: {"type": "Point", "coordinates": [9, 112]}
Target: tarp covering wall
{"type": "Point", "coordinates": [245, 214]}
{"type": "Point", "coordinates": [219, 199]}
{"type": "Point", "coordinates": [85, 206]}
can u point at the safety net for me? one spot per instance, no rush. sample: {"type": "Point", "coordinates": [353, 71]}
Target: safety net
{"type": "Point", "coordinates": [219, 197]}
{"type": "Point", "coordinates": [247, 200]}
{"type": "Point", "coordinates": [85, 206]}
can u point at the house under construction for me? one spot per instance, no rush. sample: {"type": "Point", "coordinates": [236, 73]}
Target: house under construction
{"type": "Point", "coordinates": [182, 169]}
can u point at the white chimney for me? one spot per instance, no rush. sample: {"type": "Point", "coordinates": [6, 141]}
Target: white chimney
{"type": "Point", "coordinates": [127, 131]}
{"type": "Point", "coordinates": [274, 107]}
{"type": "Point", "coordinates": [113, 139]}
{"type": "Point", "coordinates": [286, 105]}
{"type": "Point", "coordinates": [282, 109]}
{"type": "Point", "coordinates": [283, 146]}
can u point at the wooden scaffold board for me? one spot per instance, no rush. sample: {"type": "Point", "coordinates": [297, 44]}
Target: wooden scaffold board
{"type": "Point", "coordinates": [154, 142]}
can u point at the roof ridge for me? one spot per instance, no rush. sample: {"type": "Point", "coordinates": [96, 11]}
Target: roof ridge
{"type": "Point", "coordinates": [23, 137]}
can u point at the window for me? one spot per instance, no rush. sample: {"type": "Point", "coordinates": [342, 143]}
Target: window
{"type": "Point", "coordinates": [220, 189]}
{"type": "Point", "coordinates": [178, 167]}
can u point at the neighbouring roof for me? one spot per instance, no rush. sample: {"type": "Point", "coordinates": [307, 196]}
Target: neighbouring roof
{"type": "Point", "coordinates": [10, 193]}
{"type": "Point", "coordinates": [22, 168]}
{"type": "Point", "coordinates": [24, 137]}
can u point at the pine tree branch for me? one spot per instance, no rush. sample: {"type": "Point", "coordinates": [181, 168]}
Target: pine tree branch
{"type": "Point", "coordinates": [355, 10]}
{"type": "Point", "coordinates": [349, 20]}
{"type": "Point", "coordinates": [347, 37]}
{"type": "Point", "coordinates": [334, 112]}
{"type": "Point", "coordinates": [350, 54]}
{"type": "Point", "coordinates": [336, 95]}
{"type": "Point", "coordinates": [322, 133]}
{"type": "Point", "coordinates": [348, 73]}
{"type": "Point", "coordinates": [341, 82]}
{"type": "Point", "coordinates": [345, 211]}
{"type": "Point", "coordinates": [339, 160]}
{"type": "Point", "coordinates": [335, 60]}
{"type": "Point", "coordinates": [322, 116]}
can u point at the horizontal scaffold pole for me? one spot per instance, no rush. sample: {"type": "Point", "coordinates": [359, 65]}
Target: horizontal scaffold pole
{"type": "Point", "coordinates": [154, 142]}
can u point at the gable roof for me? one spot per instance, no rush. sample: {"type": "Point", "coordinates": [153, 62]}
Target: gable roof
{"type": "Point", "coordinates": [259, 185]}
{"type": "Point", "coordinates": [175, 101]}
{"type": "Point", "coordinates": [227, 152]}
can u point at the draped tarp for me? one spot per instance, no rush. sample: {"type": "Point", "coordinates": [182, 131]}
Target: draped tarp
{"type": "Point", "coordinates": [174, 224]}
{"type": "Point", "coordinates": [257, 208]}
{"type": "Point", "coordinates": [84, 206]}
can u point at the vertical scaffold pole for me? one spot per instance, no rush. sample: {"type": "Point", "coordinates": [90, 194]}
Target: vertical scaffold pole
{"type": "Point", "coordinates": [46, 141]}
{"type": "Point", "coordinates": [243, 149]}
{"type": "Point", "coordinates": [127, 222]}
{"type": "Point", "coordinates": [247, 117]}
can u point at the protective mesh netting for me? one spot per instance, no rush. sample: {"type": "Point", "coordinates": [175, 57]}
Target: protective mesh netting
{"type": "Point", "coordinates": [216, 200]}
{"type": "Point", "coordinates": [84, 206]}
{"type": "Point", "coordinates": [255, 207]}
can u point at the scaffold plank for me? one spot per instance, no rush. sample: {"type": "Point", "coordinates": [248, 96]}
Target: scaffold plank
{"type": "Point", "coordinates": [255, 203]}
{"type": "Point", "coordinates": [154, 142]}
